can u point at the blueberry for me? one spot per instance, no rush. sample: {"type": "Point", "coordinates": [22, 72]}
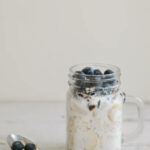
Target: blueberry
{"type": "Point", "coordinates": [112, 82]}
{"type": "Point", "coordinates": [79, 79]}
{"type": "Point", "coordinates": [110, 76]}
{"type": "Point", "coordinates": [109, 82]}
{"type": "Point", "coordinates": [79, 75]}
{"type": "Point", "coordinates": [88, 71]}
{"type": "Point", "coordinates": [108, 72]}
{"type": "Point", "coordinates": [106, 84]}
{"type": "Point", "coordinates": [96, 80]}
{"type": "Point", "coordinates": [17, 145]}
{"type": "Point", "coordinates": [97, 72]}
{"type": "Point", "coordinates": [30, 146]}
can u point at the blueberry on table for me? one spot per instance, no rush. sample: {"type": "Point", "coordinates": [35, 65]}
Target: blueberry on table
{"type": "Point", "coordinates": [97, 72]}
{"type": "Point", "coordinates": [88, 71]}
{"type": "Point", "coordinates": [30, 146]}
{"type": "Point", "coordinates": [17, 145]}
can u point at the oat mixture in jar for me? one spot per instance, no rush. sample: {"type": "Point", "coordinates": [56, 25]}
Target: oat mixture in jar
{"type": "Point", "coordinates": [94, 108]}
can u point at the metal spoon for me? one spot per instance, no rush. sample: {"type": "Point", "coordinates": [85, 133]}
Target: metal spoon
{"type": "Point", "coordinates": [14, 137]}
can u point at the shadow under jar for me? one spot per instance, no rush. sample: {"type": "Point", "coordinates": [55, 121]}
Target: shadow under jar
{"type": "Point", "coordinates": [94, 108]}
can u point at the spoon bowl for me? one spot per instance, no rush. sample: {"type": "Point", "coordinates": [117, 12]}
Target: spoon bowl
{"type": "Point", "coordinates": [14, 137]}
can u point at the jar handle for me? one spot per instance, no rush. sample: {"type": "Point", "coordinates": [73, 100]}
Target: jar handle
{"type": "Point", "coordinates": [139, 103]}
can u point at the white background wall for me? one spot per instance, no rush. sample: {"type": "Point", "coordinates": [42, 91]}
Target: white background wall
{"type": "Point", "coordinates": [40, 39]}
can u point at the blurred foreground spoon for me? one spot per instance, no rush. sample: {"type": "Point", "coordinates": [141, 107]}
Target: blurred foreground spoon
{"type": "Point", "coordinates": [18, 142]}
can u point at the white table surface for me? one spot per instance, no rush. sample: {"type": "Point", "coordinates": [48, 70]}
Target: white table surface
{"type": "Point", "coordinates": [44, 123]}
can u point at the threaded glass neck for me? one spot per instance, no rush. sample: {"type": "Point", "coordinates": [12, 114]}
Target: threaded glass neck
{"type": "Point", "coordinates": [94, 77]}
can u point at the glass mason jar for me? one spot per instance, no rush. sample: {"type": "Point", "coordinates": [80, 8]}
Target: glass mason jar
{"type": "Point", "coordinates": [95, 106]}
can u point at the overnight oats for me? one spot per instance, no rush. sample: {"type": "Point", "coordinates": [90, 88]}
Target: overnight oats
{"type": "Point", "coordinates": [94, 108]}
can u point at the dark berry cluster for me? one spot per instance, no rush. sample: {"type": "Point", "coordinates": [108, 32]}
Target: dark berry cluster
{"type": "Point", "coordinates": [89, 77]}
{"type": "Point", "coordinates": [18, 145]}
{"type": "Point", "coordinates": [94, 78]}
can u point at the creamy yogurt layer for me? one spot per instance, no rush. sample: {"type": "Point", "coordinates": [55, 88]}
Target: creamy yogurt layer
{"type": "Point", "coordinates": [94, 122]}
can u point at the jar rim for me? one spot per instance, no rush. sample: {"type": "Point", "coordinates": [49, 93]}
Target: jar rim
{"type": "Point", "coordinates": [116, 70]}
